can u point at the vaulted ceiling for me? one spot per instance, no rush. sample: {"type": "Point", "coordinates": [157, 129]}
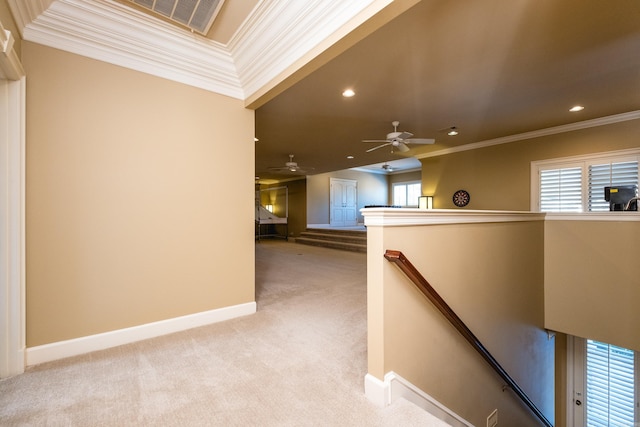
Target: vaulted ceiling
{"type": "Point", "coordinates": [497, 70]}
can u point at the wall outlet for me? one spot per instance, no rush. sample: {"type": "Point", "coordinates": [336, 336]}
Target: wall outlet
{"type": "Point", "coordinates": [492, 419]}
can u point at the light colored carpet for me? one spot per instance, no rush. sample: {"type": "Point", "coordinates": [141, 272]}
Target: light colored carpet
{"type": "Point", "coordinates": [299, 361]}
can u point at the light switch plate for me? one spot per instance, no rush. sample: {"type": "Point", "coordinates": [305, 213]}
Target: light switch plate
{"type": "Point", "coordinates": [492, 419]}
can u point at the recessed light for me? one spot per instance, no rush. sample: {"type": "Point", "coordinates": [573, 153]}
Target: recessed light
{"type": "Point", "coordinates": [576, 108]}
{"type": "Point", "coordinates": [348, 93]}
{"type": "Point", "coordinates": [349, 157]}
{"type": "Point", "coordinates": [453, 131]}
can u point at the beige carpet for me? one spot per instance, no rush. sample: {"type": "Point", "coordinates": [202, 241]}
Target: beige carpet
{"type": "Point", "coordinates": [299, 361]}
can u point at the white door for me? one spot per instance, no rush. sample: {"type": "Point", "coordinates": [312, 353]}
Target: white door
{"type": "Point", "coordinates": [343, 202]}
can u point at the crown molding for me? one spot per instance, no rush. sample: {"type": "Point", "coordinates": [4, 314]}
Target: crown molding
{"type": "Point", "coordinates": [10, 66]}
{"type": "Point", "coordinates": [616, 118]}
{"type": "Point", "coordinates": [26, 11]}
{"type": "Point", "coordinates": [111, 32]}
{"type": "Point", "coordinates": [277, 38]}
{"type": "Point", "coordinates": [282, 36]}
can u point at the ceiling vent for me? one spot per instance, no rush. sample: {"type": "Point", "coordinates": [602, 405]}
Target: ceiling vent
{"type": "Point", "coordinates": [197, 15]}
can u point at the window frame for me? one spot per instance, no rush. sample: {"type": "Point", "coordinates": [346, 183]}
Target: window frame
{"type": "Point", "coordinates": [583, 161]}
{"type": "Point", "coordinates": [406, 185]}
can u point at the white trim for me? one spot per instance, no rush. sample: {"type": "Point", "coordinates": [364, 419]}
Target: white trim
{"type": "Point", "coordinates": [282, 36]}
{"type": "Point", "coordinates": [570, 384]}
{"type": "Point", "coordinates": [377, 391]}
{"type": "Point", "coordinates": [77, 346]}
{"type": "Point", "coordinates": [594, 216]}
{"type": "Point", "coordinates": [607, 155]}
{"type": "Point", "coordinates": [274, 40]}
{"type": "Point", "coordinates": [632, 115]}
{"type": "Point", "coordinates": [390, 217]}
{"type": "Point", "coordinates": [12, 209]}
{"type": "Point", "coordinates": [384, 393]}
{"type": "Point", "coordinates": [25, 11]}
{"type": "Point", "coordinates": [114, 33]}
{"type": "Point", "coordinates": [581, 161]}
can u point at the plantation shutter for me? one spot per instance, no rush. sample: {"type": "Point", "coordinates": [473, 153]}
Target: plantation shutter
{"type": "Point", "coordinates": [610, 385]}
{"type": "Point", "coordinates": [608, 174]}
{"type": "Point", "coordinates": [561, 190]}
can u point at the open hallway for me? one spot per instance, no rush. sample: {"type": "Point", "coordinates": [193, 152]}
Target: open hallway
{"type": "Point", "coordinates": [299, 361]}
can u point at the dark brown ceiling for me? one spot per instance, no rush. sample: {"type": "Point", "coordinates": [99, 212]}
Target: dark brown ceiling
{"type": "Point", "coordinates": [492, 68]}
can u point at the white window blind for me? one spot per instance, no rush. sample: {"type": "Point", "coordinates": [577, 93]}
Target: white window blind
{"type": "Point", "coordinates": [610, 385]}
{"type": "Point", "coordinates": [606, 175]}
{"type": "Point", "coordinates": [576, 184]}
{"type": "Point", "coordinates": [561, 190]}
{"type": "Point", "coordinates": [406, 194]}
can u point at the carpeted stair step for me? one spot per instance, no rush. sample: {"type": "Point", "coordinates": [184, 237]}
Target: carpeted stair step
{"type": "Point", "coordinates": [354, 247]}
{"type": "Point", "coordinates": [349, 240]}
{"type": "Point", "coordinates": [335, 237]}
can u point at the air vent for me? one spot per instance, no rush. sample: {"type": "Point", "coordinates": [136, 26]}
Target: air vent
{"type": "Point", "coordinates": [197, 15]}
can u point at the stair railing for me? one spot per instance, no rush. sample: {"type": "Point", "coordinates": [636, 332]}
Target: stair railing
{"type": "Point", "coordinates": [414, 275]}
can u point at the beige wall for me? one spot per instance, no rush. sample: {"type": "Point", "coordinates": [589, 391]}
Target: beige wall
{"type": "Point", "coordinates": [492, 276]}
{"type": "Point", "coordinates": [498, 177]}
{"type": "Point", "coordinates": [592, 283]}
{"type": "Point", "coordinates": [133, 216]}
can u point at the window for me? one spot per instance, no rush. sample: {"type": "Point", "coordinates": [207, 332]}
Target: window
{"type": "Point", "coordinates": [605, 385]}
{"type": "Point", "coordinates": [406, 193]}
{"type": "Point", "coordinates": [577, 184]}
{"type": "Point", "coordinates": [610, 398]}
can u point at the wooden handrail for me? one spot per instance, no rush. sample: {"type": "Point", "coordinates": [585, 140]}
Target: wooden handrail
{"type": "Point", "coordinates": [412, 273]}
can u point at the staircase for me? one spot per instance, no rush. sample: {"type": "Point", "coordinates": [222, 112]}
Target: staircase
{"type": "Point", "coordinates": [335, 238]}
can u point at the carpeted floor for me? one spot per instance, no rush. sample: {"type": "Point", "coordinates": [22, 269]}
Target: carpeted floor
{"type": "Point", "coordinates": [299, 361]}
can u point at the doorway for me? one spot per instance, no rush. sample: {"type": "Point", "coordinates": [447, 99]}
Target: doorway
{"type": "Point", "coordinates": [343, 203]}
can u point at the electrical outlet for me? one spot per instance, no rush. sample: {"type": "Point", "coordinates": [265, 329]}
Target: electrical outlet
{"type": "Point", "coordinates": [492, 419]}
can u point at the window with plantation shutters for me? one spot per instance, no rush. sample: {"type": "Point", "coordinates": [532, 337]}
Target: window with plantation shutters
{"type": "Point", "coordinates": [610, 385]}
{"type": "Point", "coordinates": [577, 184]}
{"type": "Point", "coordinates": [608, 174]}
{"type": "Point", "coordinates": [561, 190]}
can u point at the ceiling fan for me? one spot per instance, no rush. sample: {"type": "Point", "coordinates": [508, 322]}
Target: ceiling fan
{"type": "Point", "coordinates": [398, 140]}
{"type": "Point", "coordinates": [291, 167]}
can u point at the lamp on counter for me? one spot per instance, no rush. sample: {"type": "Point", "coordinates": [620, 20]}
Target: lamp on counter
{"type": "Point", "coordinates": [269, 208]}
{"type": "Point", "coordinates": [425, 202]}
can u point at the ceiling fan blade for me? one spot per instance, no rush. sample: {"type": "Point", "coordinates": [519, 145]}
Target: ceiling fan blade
{"type": "Point", "coordinates": [404, 135]}
{"type": "Point", "coordinates": [402, 147]}
{"type": "Point", "coordinates": [379, 146]}
{"type": "Point", "coordinates": [420, 141]}
{"type": "Point", "coordinates": [375, 140]}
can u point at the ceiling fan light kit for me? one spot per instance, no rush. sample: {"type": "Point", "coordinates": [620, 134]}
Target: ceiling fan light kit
{"type": "Point", "coordinates": [291, 167]}
{"type": "Point", "coordinates": [399, 141]}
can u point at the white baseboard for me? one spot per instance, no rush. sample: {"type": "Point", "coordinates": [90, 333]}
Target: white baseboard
{"type": "Point", "coordinates": [74, 347]}
{"type": "Point", "coordinates": [385, 392]}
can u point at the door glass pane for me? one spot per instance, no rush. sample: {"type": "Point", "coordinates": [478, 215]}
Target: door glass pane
{"type": "Point", "coordinates": [610, 385]}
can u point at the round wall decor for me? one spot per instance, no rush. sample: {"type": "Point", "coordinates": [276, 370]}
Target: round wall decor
{"type": "Point", "coordinates": [461, 198]}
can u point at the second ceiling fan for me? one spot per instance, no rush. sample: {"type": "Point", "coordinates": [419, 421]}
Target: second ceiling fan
{"type": "Point", "coordinates": [398, 140]}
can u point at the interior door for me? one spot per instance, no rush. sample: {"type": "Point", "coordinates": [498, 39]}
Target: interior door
{"type": "Point", "coordinates": [343, 202]}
